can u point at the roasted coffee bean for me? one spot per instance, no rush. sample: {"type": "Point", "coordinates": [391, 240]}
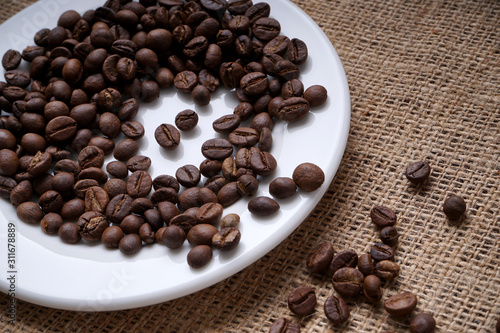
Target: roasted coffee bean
{"type": "Point", "coordinates": [139, 184]}
{"type": "Point", "coordinates": [244, 110]}
{"type": "Point", "coordinates": [401, 304]}
{"type": "Point", "coordinates": [283, 325]}
{"type": "Point", "coordinates": [58, 154]}
{"type": "Point", "coordinates": [51, 223]}
{"type": "Point", "coordinates": [140, 205]}
{"type": "Point", "coordinates": [226, 239]}
{"type": "Point", "coordinates": [125, 149]}
{"type": "Point", "coordinates": [159, 40]}
{"type": "Point", "coordinates": [258, 10]}
{"type": "Point", "coordinates": [262, 162]}
{"type": "Point", "coordinates": [285, 70]}
{"type": "Point", "coordinates": [266, 28]}
{"type": "Point", "coordinates": [386, 270]}
{"type": "Point", "coordinates": [22, 192]}
{"type": "Point", "coordinates": [67, 165]}
{"type": "Point", "coordinates": [72, 209]}
{"type": "Point", "coordinates": [63, 182]}
{"type": "Point", "coordinates": [91, 156]}
{"type": "Point", "coordinates": [213, 59]}
{"type": "Point", "coordinates": [262, 120]}
{"type": "Point", "coordinates": [201, 95]}
{"type": "Point", "coordinates": [126, 69]}
{"type": "Point", "coordinates": [292, 88]}
{"type": "Point", "coordinates": [7, 140]}
{"type": "Point", "coordinates": [91, 225]}
{"type": "Point", "coordinates": [18, 77]}
{"type": "Point", "coordinates": [418, 172]}
{"type": "Point", "coordinates": [95, 61]}
{"type": "Point", "coordinates": [109, 124]}
{"type": "Point", "coordinates": [188, 175]}
{"type": "Point", "coordinates": [111, 237]}
{"type": "Point", "coordinates": [226, 124]}
{"type": "Point", "coordinates": [201, 234]}
{"type": "Point", "coordinates": [292, 109]}
{"type": "Point", "coordinates": [389, 236]}
{"type": "Point", "coordinates": [348, 281]}
{"type": "Point", "coordinates": [118, 208]}
{"type": "Point", "coordinates": [195, 197]}
{"type": "Point", "coordinates": [173, 237]}
{"type": "Point", "coordinates": [107, 145]}
{"type": "Point", "coordinates": [372, 288]}
{"type": "Point", "coordinates": [72, 71]}
{"type": "Point", "coordinates": [199, 256]}
{"type": "Point", "coordinates": [13, 93]}
{"type": "Point", "coordinates": [230, 221]}
{"type": "Point", "coordinates": [230, 74]}
{"type": "Point", "coordinates": [186, 120]}
{"type": "Point", "coordinates": [302, 300]}
{"type": "Point", "coordinates": [164, 194]}
{"type": "Point", "coordinates": [7, 184]}
{"type": "Point", "coordinates": [282, 187]}
{"type": "Point", "coordinates": [423, 323]}
{"type": "Point", "coordinates": [346, 258]}
{"type": "Point", "coordinates": [167, 136]}
{"type": "Point", "coordinates": [319, 259]}
{"type": "Point", "coordinates": [263, 206]}
{"type": "Point", "coordinates": [166, 181]}
{"type": "Point", "coordinates": [185, 81]}
{"type": "Point", "coordinates": [365, 264]}
{"type": "Point", "coordinates": [217, 149]}
{"type": "Point", "coordinates": [31, 122]}
{"type": "Point", "coordinates": [381, 252]}
{"type": "Point", "coordinates": [209, 213]}
{"type": "Point", "coordinates": [297, 51]}
{"type": "Point", "coordinates": [336, 310]}
{"type": "Point", "coordinates": [60, 129]}
{"type": "Point", "coordinates": [132, 129]}
{"type": "Point", "coordinates": [215, 184]}
{"type": "Point", "coordinates": [210, 168]}
{"type": "Point", "coordinates": [29, 212]}
{"type": "Point", "coordinates": [55, 109]}
{"type": "Point", "coordinates": [383, 216]}
{"type": "Point", "coordinates": [9, 162]}
{"type": "Point", "coordinates": [82, 186]}
{"type": "Point", "coordinates": [115, 186]}
{"type": "Point", "coordinates": [130, 244]}
{"type": "Point", "coordinates": [147, 234]}
{"type": "Point", "coordinates": [11, 60]}
{"type": "Point", "coordinates": [69, 233]}
{"type": "Point", "coordinates": [247, 185]}
{"type": "Point", "coordinates": [38, 165]}
{"type": "Point", "coordinates": [244, 137]}
{"type": "Point", "coordinates": [164, 77]}
{"type": "Point", "coordinates": [131, 224]}
{"type": "Point", "coordinates": [51, 202]}
{"type": "Point", "coordinates": [81, 139]}
{"type": "Point", "coordinates": [96, 199]}
{"type": "Point", "coordinates": [138, 162]}
{"type": "Point", "coordinates": [278, 45]}
{"type": "Point", "coordinates": [109, 100]}
{"type": "Point", "coordinates": [454, 207]}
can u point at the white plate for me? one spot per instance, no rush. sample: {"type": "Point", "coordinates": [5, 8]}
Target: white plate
{"type": "Point", "coordinates": [92, 278]}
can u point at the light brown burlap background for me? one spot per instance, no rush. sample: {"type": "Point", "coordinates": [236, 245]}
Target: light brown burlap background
{"type": "Point", "coordinates": [424, 78]}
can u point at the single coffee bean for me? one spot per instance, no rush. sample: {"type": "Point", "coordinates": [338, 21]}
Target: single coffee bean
{"type": "Point", "coordinates": [199, 256]}
{"type": "Point", "coordinates": [125, 149]}
{"type": "Point", "coordinates": [130, 244]}
{"type": "Point", "coordinates": [51, 202]}
{"type": "Point", "coordinates": [401, 305]}
{"type": "Point", "coordinates": [186, 120]}
{"type": "Point", "coordinates": [109, 124]}
{"type": "Point", "coordinates": [217, 149]}
{"type": "Point", "coordinates": [139, 184]}
{"type": "Point", "coordinates": [173, 237]}
{"type": "Point", "coordinates": [153, 218]}
{"type": "Point", "coordinates": [336, 310]}
{"type": "Point", "coordinates": [348, 281]}
{"type": "Point", "coordinates": [128, 110]}
{"type": "Point", "coordinates": [292, 109]}
{"type": "Point", "coordinates": [185, 81]}
{"type": "Point", "coordinates": [96, 199]}
{"type": "Point", "coordinates": [159, 235]}
{"type": "Point", "coordinates": [247, 185]}
{"type": "Point", "coordinates": [69, 233]}
{"type": "Point", "coordinates": [319, 259]}
{"type": "Point", "coordinates": [138, 162]}
{"type": "Point", "coordinates": [63, 182]}
{"type": "Point", "coordinates": [216, 183]}
{"type": "Point", "coordinates": [346, 258]}
{"type": "Point", "coordinates": [365, 264]}
{"type": "Point", "coordinates": [22, 192]}
{"type": "Point", "coordinates": [282, 187]}
{"type": "Point", "coordinates": [244, 110]}
{"type": "Point", "coordinates": [107, 145]}
{"type": "Point", "coordinates": [209, 213]}
{"type": "Point", "coordinates": [292, 88]}
{"type": "Point", "coordinates": [29, 212]}
{"type": "Point", "coordinates": [383, 216]}
{"type": "Point", "coordinates": [60, 129]}
{"type": "Point", "coordinates": [283, 325]}
{"type": "Point", "coordinates": [230, 74]}
{"type": "Point", "coordinates": [244, 137]}
{"type": "Point", "coordinates": [118, 208]}
{"type": "Point", "coordinates": [308, 177]}
{"type": "Point", "coordinates": [72, 209]}
{"type": "Point", "coordinates": [381, 252]}
{"type": "Point", "coordinates": [109, 100]}
{"type": "Point", "coordinates": [297, 51]}
{"type": "Point", "coordinates": [418, 172]}
{"type": "Point", "coordinates": [230, 221]}
{"type": "Point", "coordinates": [188, 175]}
{"type": "Point", "coordinates": [210, 168]}
{"type": "Point", "coordinates": [140, 205]}
{"type": "Point", "coordinates": [11, 60]}
{"type": "Point", "coordinates": [454, 207]}
{"type": "Point", "coordinates": [258, 10]}
{"type": "Point", "coordinates": [226, 239]}
{"type": "Point", "coordinates": [111, 237]}
{"type": "Point", "coordinates": [131, 224]}
{"type": "Point", "coordinates": [266, 28]}
{"type": "Point", "coordinates": [91, 156]}
{"type": "Point", "coordinates": [387, 270]}
{"type": "Point", "coordinates": [115, 186]}
{"type": "Point", "coordinates": [18, 77]}
{"type": "Point", "coordinates": [147, 234]}
{"type": "Point", "coordinates": [316, 95]}
{"type": "Point", "coordinates": [132, 129]}
{"type": "Point", "coordinates": [201, 234]}
{"type": "Point", "coordinates": [7, 184]}
{"type": "Point", "coordinates": [201, 95]}
{"type": "Point", "coordinates": [389, 236]}
{"type": "Point", "coordinates": [51, 223]}
{"type": "Point", "coordinates": [372, 288]}
{"type": "Point", "coordinates": [167, 136]}
{"type": "Point", "coordinates": [261, 162]}
{"type": "Point", "coordinates": [81, 186]}
{"type": "Point", "coordinates": [92, 224]}
{"type": "Point", "coordinates": [422, 323]}
{"type": "Point", "coordinates": [7, 140]}
{"type": "Point", "coordinates": [302, 300]}
{"type": "Point", "coordinates": [263, 206]}
{"type": "Point", "coordinates": [9, 162]}
{"type": "Point", "coordinates": [226, 124]}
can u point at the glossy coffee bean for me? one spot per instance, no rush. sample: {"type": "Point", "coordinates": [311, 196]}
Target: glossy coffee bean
{"type": "Point", "coordinates": [92, 224]}
{"type": "Point", "coordinates": [308, 177]}
{"type": "Point", "coordinates": [381, 252]}
{"type": "Point", "coordinates": [282, 187]}
{"type": "Point", "coordinates": [72, 209]}
{"type": "Point", "coordinates": [132, 129]}
{"type": "Point", "coordinates": [231, 220]}
{"type": "Point", "coordinates": [346, 258]}
{"type": "Point", "coordinates": [372, 288]}
{"type": "Point", "coordinates": [348, 281]}
{"type": "Point", "coordinates": [302, 300]}
{"type": "Point", "coordinates": [226, 239]}
{"type": "Point", "coordinates": [383, 216]}
{"type": "Point", "coordinates": [316, 95]}
{"type": "Point", "coordinates": [139, 184]}
{"type": "Point", "coordinates": [454, 207]}
{"type": "Point", "coordinates": [125, 149]}
{"type": "Point", "coordinates": [209, 213]}
{"type": "Point", "coordinates": [336, 310]}
{"type": "Point", "coordinates": [69, 233]}
{"type": "Point", "coordinates": [297, 51]}
{"type": "Point", "coordinates": [29, 212]}
{"type": "Point", "coordinates": [401, 305]}
{"type": "Point", "coordinates": [138, 162]}
{"type": "Point", "coordinates": [118, 208]}
{"type": "Point", "coordinates": [130, 244]}
{"type": "Point", "coordinates": [51, 223]}
{"type": "Point", "coordinates": [111, 237]}
{"type": "Point", "coordinates": [418, 172]}
{"type": "Point", "coordinates": [217, 149]}
{"type": "Point", "coordinates": [365, 264]}
{"type": "Point", "coordinates": [389, 236]}
{"type": "Point", "coordinates": [188, 175]}
{"type": "Point", "coordinates": [173, 236]}
{"type": "Point", "coordinates": [201, 234]}
{"type": "Point", "coordinates": [199, 256]}
{"type": "Point", "coordinates": [386, 270]}
{"type": "Point", "coordinates": [320, 257]}
{"type": "Point", "coordinates": [167, 136]}
{"type": "Point", "coordinates": [423, 323]}
{"type": "Point", "coordinates": [263, 206]}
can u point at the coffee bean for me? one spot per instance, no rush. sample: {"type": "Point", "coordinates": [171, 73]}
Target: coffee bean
{"type": "Point", "coordinates": [111, 237]}
{"type": "Point", "coordinates": [319, 259]}
{"type": "Point", "coordinates": [130, 244]}
{"type": "Point", "coordinates": [258, 10]}
{"type": "Point", "coordinates": [348, 281]}
{"type": "Point", "coordinates": [131, 224]}
{"type": "Point", "coordinates": [265, 140]}
{"type": "Point", "coordinates": [167, 136]}
{"type": "Point", "coordinates": [72, 71]}
{"type": "Point", "coordinates": [372, 288]}
{"type": "Point", "coordinates": [209, 213]}
{"type": "Point", "coordinates": [18, 77]}
{"type": "Point", "coordinates": [216, 183]}
{"type": "Point", "coordinates": [186, 120]}
{"type": "Point", "coordinates": [72, 209]}
{"type": "Point", "coordinates": [91, 225]}
{"type": "Point", "coordinates": [7, 140]}
{"type": "Point", "coordinates": [230, 74]}
{"type": "Point", "coordinates": [263, 206]}
{"type": "Point", "coordinates": [132, 129]}
{"type": "Point", "coordinates": [386, 270]}
{"type": "Point", "coordinates": [454, 207]}
{"type": "Point", "coordinates": [346, 258]}
{"type": "Point", "coordinates": [185, 81]}
{"type": "Point", "coordinates": [418, 172]}
{"type": "Point", "coordinates": [365, 264]}
{"type": "Point", "coordinates": [210, 168]}
{"type": "Point", "coordinates": [107, 145]}
{"type": "Point", "coordinates": [217, 149]}
{"type": "Point", "coordinates": [69, 233]}
{"type": "Point", "coordinates": [297, 51]}
{"type": "Point", "coordinates": [22, 192]}
{"type": "Point", "coordinates": [226, 124]}
{"type": "Point", "coordinates": [29, 212]}
{"type": "Point", "coordinates": [118, 208]}
{"type": "Point", "coordinates": [138, 162]}
{"type": "Point", "coordinates": [109, 124]}
{"type": "Point", "coordinates": [292, 88]}
{"type": "Point", "coordinates": [11, 60]}
{"type": "Point", "coordinates": [423, 323]}
{"type": "Point", "coordinates": [139, 184]}
{"type": "Point", "coordinates": [39, 164]}
{"type": "Point", "coordinates": [60, 129]}
{"type": "Point", "coordinates": [244, 137]}
{"type": "Point", "coordinates": [247, 185]}
{"type": "Point", "coordinates": [381, 252]}
{"type": "Point", "coordinates": [400, 305]}
{"type": "Point", "coordinates": [230, 221]}
{"type": "Point", "coordinates": [96, 199]}
{"type": "Point", "coordinates": [9, 162]}
{"type": "Point", "coordinates": [188, 175]}
{"type": "Point", "coordinates": [282, 187]}
{"type": "Point", "coordinates": [308, 177]}
{"type": "Point", "coordinates": [336, 310]}
{"type": "Point", "coordinates": [51, 223]}
{"type": "Point", "coordinates": [382, 216]}
{"type": "Point", "coordinates": [109, 100]}
{"type": "Point", "coordinates": [389, 236]}
{"type": "Point", "coordinates": [91, 156]}
{"type": "Point", "coordinates": [128, 110]}
{"type": "Point", "coordinates": [173, 237]}
{"type": "Point", "coordinates": [292, 109]}
{"type": "Point", "coordinates": [147, 234]}
{"type": "Point", "coordinates": [125, 149]}
{"type": "Point", "coordinates": [199, 256]}
{"type": "Point", "coordinates": [226, 239]}
{"type": "Point", "coordinates": [261, 162]}
{"type": "Point", "coordinates": [51, 202]}
{"type": "Point", "coordinates": [7, 184]}
{"type": "Point", "coordinates": [302, 300]}
{"type": "Point", "coordinates": [201, 234]}
{"type": "Point", "coordinates": [63, 182]}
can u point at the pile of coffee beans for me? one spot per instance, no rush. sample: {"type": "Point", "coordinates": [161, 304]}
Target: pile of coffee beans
{"type": "Point", "coordinates": [65, 114]}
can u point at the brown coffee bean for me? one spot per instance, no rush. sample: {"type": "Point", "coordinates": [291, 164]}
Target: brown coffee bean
{"type": "Point", "coordinates": [226, 124]}
{"type": "Point", "coordinates": [118, 208]}
{"type": "Point", "coordinates": [185, 81]}
{"type": "Point", "coordinates": [282, 187]}
{"type": "Point", "coordinates": [167, 136]}
{"type": "Point", "coordinates": [348, 281]}
{"type": "Point", "coordinates": [125, 149]}
{"type": "Point", "coordinates": [383, 216]}
{"type": "Point", "coordinates": [401, 304]}
{"type": "Point", "coordinates": [336, 310]}
{"type": "Point", "coordinates": [425, 323]}
{"type": "Point", "coordinates": [201, 234]}
{"type": "Point", "coordinates": [297, 51]}
{"type": "Point", "coordinates": [210, 168]}
{"type": "Point", "coordinates": [263, 206]}
{"type": "Point", "coordinates": [139, 184]}
{"type": "Point", "coordinates": [138, 162]}
{"type": "Point", "coordinates": [29, 212]}
{"type": "Point", "coordinates": [38, 165]}
{"type": "Point", "coordinates": [60, 129]}
{"type": "Point", "coordinates": [115, 186]}
{"type": "Point", "coordinates": [346, 258]}
{"type": "Point", "coordinates": [69, 233]}
{"type": "Point", "coordinates": [382, 251]}
{"type": "Point", "coordinates": [454, 207]}
{"type": "Point", "coordinates": [308, 177]}
{"type": "Point", "coordinates": [418, 172]}
{"type": "Point", "coordinates": [51, 223]}
{"type": "Point", "coordinates": [365, 264]}
{"type": "Point", "coordinates": [244, 137]}
{"type": "Point", "coordinates": [147, 234]}
{"type": "Point", "coordinates": [128, 110]}
{"type": "Point", "coordinates": [319, 259]}
{"type": "Point", "coordinates": [81, 186]}
{"type": "Point", "coordinates": [107, 145]}
{"type": "Point", "coordinates": [386, 270]}
{"type": "Point", "coordinates": [258, 10]}
{"type": "Point", "coordinates": [217, 149]}
{"type": "Point", "coordinates": [209, 213]}
{"type": "Point", "coordinates": [372, 288]}
{"type": "Point", "coordinates": [7, 184]}
{"type": "Point", "coordinates": [91, 156]}
{"type": "Point", "coordinates": [130, 244]}
{"type": "Point", "coordinates": [91, 225]}
{"type": "Point", "coordinates": [132, 129]}
{"type": "Point", "coordinates": [11, 60]}
{"type": "Point", "coordinates": [261, 162]}
{"type": "Point", "coordinates": [111, 237]}
{"type": "Point", "coordinates": [188, 175]}
{"type": "Point", "coordinates": [389, 236]}
{"type": "Point", "coordinates": [63, 182]}
{"type": "Point", "coordinates": [199, 256]}
{"type": "Point", "coordinates": [226, 239]}
{"type": "Point", "coordinates": [96, 199]}
{"type": "Point", "coordinates": [9, 162]}
{"type": "Point", "coordinates": [173, 237]}
{"type": "Point", "coordinates": [302, 300]}
{"type": "Point", "coordinates": [72, 209]}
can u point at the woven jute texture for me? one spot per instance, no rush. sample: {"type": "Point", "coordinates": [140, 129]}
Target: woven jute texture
{"type": "Point", "coordinates": [424, 78]}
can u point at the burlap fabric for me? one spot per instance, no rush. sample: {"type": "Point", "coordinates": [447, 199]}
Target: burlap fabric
{"type": "Point", "coordinates": [425, 85]}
